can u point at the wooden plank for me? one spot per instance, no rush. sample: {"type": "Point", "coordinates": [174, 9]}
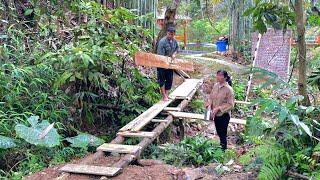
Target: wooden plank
{"type": "Point", "coordinates": [172, 109]}
{"type": "Point", "coordinates": [89, 169]}
{"type": "Point", "coordinates": [201, 117]}
{"type": "Point", "coordinates": [137, 134]}
{"type": "Point", "coordinates": [186, 88]}
{"type": "Point", "coordinates": [139, 122]}
{"type": "Point", "coordinates": [127, 159]}
{"type": "Point", "coordinates": [159, 120]}
{"type": "Point", "coordinates": [238, 121]}
{"type": "Point", "coordinates": [186, 115]}
{"type": "Point", "coordinates": [119, 148]}
{"type": "Point", "coordinates": [182, 74]}
{"type": "Point", "coordinates": [154, 60]}
{"type": "Point", "coordinates": [242, 102]}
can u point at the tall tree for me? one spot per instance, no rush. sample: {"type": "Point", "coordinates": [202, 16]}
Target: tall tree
{"type": "Point", "coordinates": [169, 21]}
{"type": "Point", "coordinates": [301, 43]}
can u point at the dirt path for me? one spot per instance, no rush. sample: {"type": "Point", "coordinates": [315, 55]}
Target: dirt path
{"type": "Point", "coordinates": [153, 170]}
{"type": "Point", "coordinates": [237, 68]}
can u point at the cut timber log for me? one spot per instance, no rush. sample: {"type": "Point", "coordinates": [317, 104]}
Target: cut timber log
{"type": "Point", "coordinates": [154, 60]}
{"type": "Point", "coordinates": [88, 169]}
{"type": "Point", "coordinates": [119, 148]}
{"type": "Point", "coordinates": [139, 122]}
{"type": "Point", "coordinates": [201, 117]}
{"type": "Point", "coordinates": [186, 88]}
{"type": "Point", "coordinates": [137, 134]}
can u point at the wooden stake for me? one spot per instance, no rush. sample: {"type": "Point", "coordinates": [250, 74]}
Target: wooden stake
{"type": "Point", "coordinates": [253, 65]}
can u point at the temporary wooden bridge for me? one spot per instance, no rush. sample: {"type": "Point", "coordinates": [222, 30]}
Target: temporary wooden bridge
{"type": "Point", "coordinates": [181, 95]}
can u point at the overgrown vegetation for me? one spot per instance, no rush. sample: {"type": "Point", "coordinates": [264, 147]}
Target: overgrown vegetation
{"type": "Point", "coordinates": [285, 134]}
{"type": "Point", "coordinates": [72, 67]}
{"type": "Point", "coordinates": [196, 151]}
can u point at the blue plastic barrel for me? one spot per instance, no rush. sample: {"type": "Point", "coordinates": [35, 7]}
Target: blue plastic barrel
{"type": "Point", "coordinates": [221, 46]}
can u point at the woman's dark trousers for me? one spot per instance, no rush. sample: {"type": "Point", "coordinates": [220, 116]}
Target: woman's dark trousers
{"type": "Point", "coordinates": [221, 124]}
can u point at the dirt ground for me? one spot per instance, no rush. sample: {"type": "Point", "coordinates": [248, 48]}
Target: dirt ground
{"type": "Point", "coordinates": [161, 171]}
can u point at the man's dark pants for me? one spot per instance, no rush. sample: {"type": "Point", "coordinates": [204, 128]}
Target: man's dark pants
{"type": "Point", "coordinates": [165, 77]}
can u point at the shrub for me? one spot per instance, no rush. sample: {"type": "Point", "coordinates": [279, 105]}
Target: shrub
{"type": "Point", "coordinates": [196, 151]}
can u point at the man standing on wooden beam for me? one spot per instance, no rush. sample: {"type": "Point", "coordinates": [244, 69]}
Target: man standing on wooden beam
{"type": "Point", "coordinates": [167, 46]}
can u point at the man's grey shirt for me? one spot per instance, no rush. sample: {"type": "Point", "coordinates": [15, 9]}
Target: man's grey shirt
{"type": "Point", "coordinates": [167, 47]}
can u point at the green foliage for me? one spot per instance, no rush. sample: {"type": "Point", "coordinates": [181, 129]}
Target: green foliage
{"type": "Point", "coordinates": [197, 106]}
{"type": "Point", "coordinates": [229, 154]}
{"type": "Point", "coordinates": [256, 128]}
{"type": "Point", "coordinates": [35, 134]}
{"type": "Point", "coordinates": [239, 90]}
{"type": "Point", "coordinates": [271, 171]}
{"type": "Point", "coordinates": [84, 140]}
{"type": "Point", "coordinates": [277, 14]}
{"type": "Point", "coordinates": [314, 20]}
{"type": "Point", "coordinates": [203, 31]}
{"type": "Point", "coordinates": [6, 142]}
{"type": "Point", "coordinates": [72, 69]}
{"type": "Point", "coordinates": [193, 150]}
{"type": "Point", "coordinates": [245, 159]}
{"type": "Point", "coordinates": [314, 78]}
{"type": "Point", "coordinates": [282, 129]}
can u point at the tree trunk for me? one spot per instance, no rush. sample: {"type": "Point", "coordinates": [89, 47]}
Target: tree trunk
{"type": "Point", "coordinates": [169, 21]}
{"type": "Point", "coordinates": [302, 81]}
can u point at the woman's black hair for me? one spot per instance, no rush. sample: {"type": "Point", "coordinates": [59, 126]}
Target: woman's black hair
{"type": "Point", "coordinates": [225, 75]}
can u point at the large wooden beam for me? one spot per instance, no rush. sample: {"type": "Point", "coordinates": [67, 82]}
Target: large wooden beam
{"type": "Point", "coordinates": [186, 88]}
{"type": "Point", "coordinates": [139, 122]}
{"type": "Point", "coordinates": [154, 60]}
{"type": "Point", "coordinates": [201, 117]}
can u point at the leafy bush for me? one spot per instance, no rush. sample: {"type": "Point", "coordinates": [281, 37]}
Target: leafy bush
{"type": "Point", "coordinates": [202, 30]}
{"type": "Point", "coordinates": [314, 78]}
{"type": "Point", "coordinates": [197, 105]}
{"type": "Point", "coordinates": [284, 133]}
{"type": "Point", "coordinates": [239, 89]}
{"type": "Point", "coordinates": [192, 151]}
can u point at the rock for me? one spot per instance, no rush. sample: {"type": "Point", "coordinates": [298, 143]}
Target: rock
{"type": "Point", "coordinates": [178, 174]}
{"type": "Point", "coordinates": [211, 129]}
{"type": "Point", "coordinates": [192, 174]}
{"type": "Point", "coordinates": [199, 127]}
{"type": "Point", "coordinates": [211, 168]}
{"type": "Point", "coordinates": [237, 167]}
{"type": "Point", "coordinates": [149, 162]}
{"type": "Point", "coordinates": [230, 162]}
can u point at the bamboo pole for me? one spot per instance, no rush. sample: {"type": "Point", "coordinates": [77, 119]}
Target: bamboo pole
{"type": "Point", "coordinates": [253, 65]}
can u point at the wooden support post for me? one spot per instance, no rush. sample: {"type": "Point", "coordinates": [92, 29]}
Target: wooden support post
{"type": "Point", "coordinates": [181, 129]}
